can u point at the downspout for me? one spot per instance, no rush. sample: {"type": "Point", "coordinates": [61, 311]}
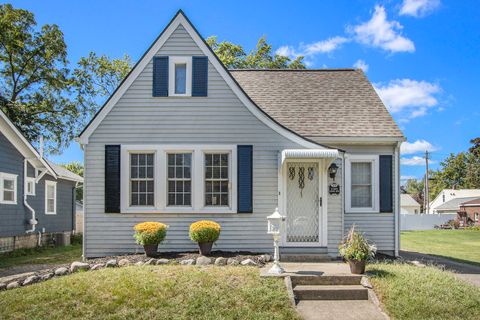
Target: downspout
{"type": "Point", "coordinates": [397, 199]}
{"type": "Point", "coordinates": [33, 221]}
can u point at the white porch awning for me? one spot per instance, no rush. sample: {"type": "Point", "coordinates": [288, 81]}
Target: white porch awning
{"type": "Point", "coordinates": [330, 154]}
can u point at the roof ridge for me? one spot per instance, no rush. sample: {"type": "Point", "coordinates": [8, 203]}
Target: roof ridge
{"type": "Point", "coordinates": [300, 70]}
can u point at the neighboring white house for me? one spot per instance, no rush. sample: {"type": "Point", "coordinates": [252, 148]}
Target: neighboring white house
{"type": "Point", "coordinates": [185, 139]}
{"type": "Point", "coordinates": [452, 206]}
{"type": "Point", "coordinates": [449, 194]}
{"type": "Point", "coordinates": [408, 205]}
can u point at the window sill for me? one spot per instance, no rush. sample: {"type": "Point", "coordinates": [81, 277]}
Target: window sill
{"type": "Point", "coordinates": [221, 210]}
{"type": "Point", "coordinates": [51, 213]}
{"type": "Point", "coordinates": [8, 202]}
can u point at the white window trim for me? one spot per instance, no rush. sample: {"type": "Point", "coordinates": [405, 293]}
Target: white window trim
{"type": "Point", "coordinates": [32, 181]}
{"type": "Point", "coordinates": [47, 184]}
{"type": "Point", "coordinates": [374, 159]}
{"type": "Point", "coordinates": [8, 176]}
{"type": "Point", "coordinates": [197, 174]}
{"type": "Point", "coordinates": [172, 61]}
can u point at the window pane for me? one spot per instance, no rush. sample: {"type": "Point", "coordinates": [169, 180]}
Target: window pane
{"type": "Point", "coordinates": [142, 175]}
{"type": "Point", "coordinates": [361, 173]}
{"type": "Point", "coordinates": [216, 179]}
{"type": "Point", "coordinates": [180, 78]}
{"type": "Point", "coordinates": [8, 195]}
{"type": "Point", "coordinates": [179, 179]}
{"type": "Point", "coordinates": [361, 185]}
{"type": "Point", "coordinates": [8, 184]}
{"type": "Point", "coordinates": [51, 205]}
{"type": "Point", "coordinates": [50, 192]}
{"type": "Point", "coordinates": [361, 196]}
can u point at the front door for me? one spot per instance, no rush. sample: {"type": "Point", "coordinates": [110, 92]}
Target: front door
{"type": "Point", "coordinates": [303, 202]}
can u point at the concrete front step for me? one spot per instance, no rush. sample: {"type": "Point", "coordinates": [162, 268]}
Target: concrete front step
{"type": "Point", "coordinates": [326, 280]}
{"type": "Point", "coordinates": [330, 292]}
{"type": "Point", "coordinates": [304, 257]}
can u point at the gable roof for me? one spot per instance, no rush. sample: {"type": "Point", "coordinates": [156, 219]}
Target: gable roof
{"type": "Point", "coordinates": [18, 140]}
{"type": "Point", "coordinates": [474, 202]}
{"type": "Point", "coordinates": [407, 200]}
{"type": "Point", "coordinates": [320, 103]}
{"type": "Point", "coordinates": [181, 19]}
{"type": "Point", "coordinates": [454, 204]}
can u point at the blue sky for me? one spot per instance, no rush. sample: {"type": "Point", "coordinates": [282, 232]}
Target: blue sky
{"type": "Point", "coordinates": [423, 56]}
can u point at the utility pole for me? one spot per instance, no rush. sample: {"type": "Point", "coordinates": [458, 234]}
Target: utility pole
{"type": "Point", "coordinates": [426, 197]}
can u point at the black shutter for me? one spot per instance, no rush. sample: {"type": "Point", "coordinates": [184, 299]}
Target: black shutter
{"type": "Point", "coordinates": [386, 183]}
{"type": "Point", "coordinates": [245, 179]}
{"type": "Point", "coordinates": [160, 77]}
{"type": "Point", "coordinates": [112, 179]}
{"type": "Point", "coordinates": [199, 76]}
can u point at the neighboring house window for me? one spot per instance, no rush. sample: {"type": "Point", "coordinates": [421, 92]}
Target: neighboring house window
{"type": "Point", "coordinates": [142, 179]}
{"type": "Point", "coordinates": [30, 186]}
{"type": "Point", "coordinates": [443, 197]}
{"type": "Point", "coordinates": [179, 179]}
{"type": "Point", "coordinates": [8, 188]}
{"type": "Point", "coordinates": [362, 183]}
{"type": "Point", "coordinates": [180, 76]}
{"type": "Point", "coordinates": [50, 197]}
{"type": "Point", "coordinates": [475, 216]}
{"type": "Point", "coordinates": [416, 211]}
{"type": "Point", "coordinates": [216, 179]}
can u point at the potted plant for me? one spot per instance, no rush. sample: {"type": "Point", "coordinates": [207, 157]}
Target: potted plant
{"type": "Point", "coordinates": [150, 235]}
{"type": "Point", "coordinates": [356, 250]}
{"type": "Point", "coordinates": [204, 232]}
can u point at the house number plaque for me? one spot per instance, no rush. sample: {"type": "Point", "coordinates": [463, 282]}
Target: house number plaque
{"type": "Point", "coordinates": [334, 189]}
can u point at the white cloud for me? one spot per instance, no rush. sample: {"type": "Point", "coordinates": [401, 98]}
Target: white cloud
{"type": "Point", "coordinates": [312, 49]}
{"type": "Point", "coordinates": [418, 8]}
{"type": "Point", "coordinates": [405, 178]}
{"type": "Point", "coordinates": [416, 147]}
{"type": "Point", "coordinates": [381, 33]}
{"type": "Point", "coordinates": [360, 64]}
{"type": "Point", "coordinates": [410, 97]}
{"type": "Point", "coordinates": [414, 161]}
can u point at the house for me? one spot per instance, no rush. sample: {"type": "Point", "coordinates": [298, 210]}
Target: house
{"type": "Point", "coordinates": [78, 217]}
{"type": "Point", "coordinates": [184, 139]}
{"type": "Point", "coordinates": [469, 212]}
{"type": "Point", "coordinates": [452, 206]}
{"type": "Point", "coordinates": [36, 196]}
{"type": "Point", "coordinates": [448, 194]}
{"type": "Point", "coordinates": [408, 205]}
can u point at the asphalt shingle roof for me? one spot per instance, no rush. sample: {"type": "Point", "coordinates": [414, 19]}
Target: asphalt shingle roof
{"type": "Point", "coordinates": [64, 173]}
{"type": "Point", "coordinates": [320, 103]}
{"type": "Point", "coordinates": [454, 204]}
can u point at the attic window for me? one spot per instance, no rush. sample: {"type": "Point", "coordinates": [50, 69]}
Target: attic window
{"type": "Point", "coordinates": [180, 76]}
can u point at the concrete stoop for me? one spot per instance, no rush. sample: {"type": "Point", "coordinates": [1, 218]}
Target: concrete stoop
{"type": "Point", "coordinates": [329, 287]}
{"type": "Point", "coordinates": [305, 257]}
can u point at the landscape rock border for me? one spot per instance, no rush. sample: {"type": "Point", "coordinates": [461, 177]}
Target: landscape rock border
{"type": "Point", "coordinates": [16, 281]}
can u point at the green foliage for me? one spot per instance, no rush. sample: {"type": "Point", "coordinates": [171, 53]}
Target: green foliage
{"type": "Point", "coordinates": [77, 168]}
{"type": "Point", "coordinates": [96, 78]}
{"type": "Point", "coordinates": [204, 231]}
{"type": "Point", "coordinates": [233, 56]}
{"type": "Point", "coordinates": [356, 247]}
{"type": "Point", "coordinates": [76, 239]}
{"type": "Point", "coordinates": [473, 228]}
{"type": "Point", "coordinates": [147, 233]}
{"type": "Point", "coordinates": [415, 188]}
{"type": "Point", "coordinates": [35, 80]}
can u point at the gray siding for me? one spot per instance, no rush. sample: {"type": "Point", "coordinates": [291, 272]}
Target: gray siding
{"type": "Point", "coordinates": [13, 218]}
{"type": "Point", "coordinates": [220, 118]}
{"type": "Point", "coordinates": [379, 228]}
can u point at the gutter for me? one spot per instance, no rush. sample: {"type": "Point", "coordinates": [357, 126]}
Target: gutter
{"type": "Point", "coordinates": [33, 221]}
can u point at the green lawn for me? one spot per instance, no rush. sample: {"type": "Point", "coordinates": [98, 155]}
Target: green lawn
{"type": "Point", "coordinates": [462, 245]}
{"type": "Point", "coordinates": [153, 292]}
{"type": "Point", "coordinates": [409, 292]}
{"type": "Point", "coordinates": [42, 255]}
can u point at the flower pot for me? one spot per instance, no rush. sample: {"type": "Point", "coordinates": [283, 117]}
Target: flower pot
{"type": "Point", "coordinates": [150, 249]}
{"type": "Point", "coordinates": [357, 266]}
{"type": "Point", "coordinates": [205, 248]}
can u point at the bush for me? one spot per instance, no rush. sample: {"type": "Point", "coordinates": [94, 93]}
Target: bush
{"type": "Point", "coordinates": [204, 231]}
{"type": "Point", "coordinates": [150, 233]}
{"type": "Point", "coordinates": [76, 238]}
{"type": "Point", "coordinates": [475, 228]}
{"type": "Point", "coordinates": [455, 224]}
{"type": "Point", "coordinates": [356, 247]}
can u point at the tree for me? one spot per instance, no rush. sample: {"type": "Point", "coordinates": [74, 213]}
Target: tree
{"type": "Point", "coordinates": [415, 188]}
{"type": "Point", "coordinates": [77, 168]}
{"type": "Point", "coordinates": [34, 78]}
{"type": "Point", "coordinates": [96, 78]}
{"type": "Point", "coordinates": [472, 178]}
{"type": "Point", "coordinates": [233, 56]}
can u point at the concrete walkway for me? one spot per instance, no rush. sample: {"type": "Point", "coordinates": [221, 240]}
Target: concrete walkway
{"type": "Point", "coordinates": [464, 271]}
{"type": "Point", "coordinates": [329, 309]}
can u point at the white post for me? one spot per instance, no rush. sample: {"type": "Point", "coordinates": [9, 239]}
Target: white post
{"type": "Point", "coordinates": [276, 268]}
